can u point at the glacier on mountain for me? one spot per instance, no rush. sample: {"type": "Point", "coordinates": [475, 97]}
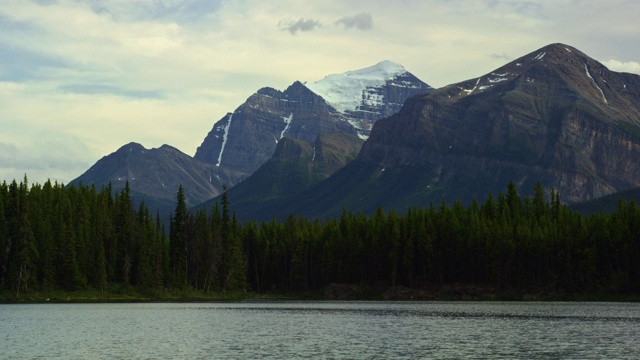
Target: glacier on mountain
{"type": "Point", "coordinates": [346, 91]}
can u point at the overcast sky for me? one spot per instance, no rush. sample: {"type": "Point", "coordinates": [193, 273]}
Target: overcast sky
{"type": "Point", "coordinates": [80, 78]}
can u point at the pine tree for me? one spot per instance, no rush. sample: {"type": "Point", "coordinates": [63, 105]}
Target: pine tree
{"type": "Point", "coordinates": [68, 273]}
{"type": "Point", "coordinates": [144, 272]}
{"type": "Point", "coordinates": [43, 207]}
{"type": "Point", "coordinates": [178, 241]}
{"type": "Point", "coordinates": [102, 233]}
{"type": "Point", "coordinates": [26, 248]}
{"type": "Point", "coordinates": [4, 240]}
{"type": "Point", "coordinates": [232, 264]}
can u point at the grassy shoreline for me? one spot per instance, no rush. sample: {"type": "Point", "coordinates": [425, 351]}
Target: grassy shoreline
{"type": "Point", "coordinates": [116, 294]}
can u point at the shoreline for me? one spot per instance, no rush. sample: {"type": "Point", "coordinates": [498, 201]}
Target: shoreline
{"type": "Point", "coordinates": [333, 292]}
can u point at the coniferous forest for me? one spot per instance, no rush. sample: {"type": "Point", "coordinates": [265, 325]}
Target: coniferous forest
{"type": "Point", "coordinates": [54, 237]}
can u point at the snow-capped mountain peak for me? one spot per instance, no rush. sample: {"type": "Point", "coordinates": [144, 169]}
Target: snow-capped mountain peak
{"type": "Point", "coordinates": [344, 91]}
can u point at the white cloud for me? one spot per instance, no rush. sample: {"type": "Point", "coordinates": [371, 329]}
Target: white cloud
{"type": "Point", "coordinates": [160, 10]}
{"type": "Point", "coordinates": [623, 66]}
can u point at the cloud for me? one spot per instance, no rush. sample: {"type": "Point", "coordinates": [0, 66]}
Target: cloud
{"type": "Point", "coordinates": [110, 90]}
{"type": "Point", "coordinates": [18, 64]}
{"type": "Point", "coordinates": [180, 11]}
{"type": "Point", "coordinates": [623, 66]}
{"type": "Point", "coordinates": [59, 160]}
{"type": "Point", "coordinates": [303, 25]}
{"type": "Point", "coordinates": [361, 21]}
{"type": "Point", "coordinates": [109, 72]}
{"type": "Point", "coordinates": [45, 2]}
{"type": "Point", "coordinates": [501, 56]}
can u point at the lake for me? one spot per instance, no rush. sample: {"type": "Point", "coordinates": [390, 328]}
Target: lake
{"type": "Point", "coordinates": [328, 330]}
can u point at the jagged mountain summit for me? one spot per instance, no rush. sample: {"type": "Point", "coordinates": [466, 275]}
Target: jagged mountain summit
{"type": "Point", "coordinates": [554, 116]}
{"type": "Point", "coordinates": [368, 94]}
{"type": "Point", "coordinates": [154, 175]}
{"type": "Point", "coordinates": [245, 139]}
{"type": "Point", "coordinates": [349, 103]}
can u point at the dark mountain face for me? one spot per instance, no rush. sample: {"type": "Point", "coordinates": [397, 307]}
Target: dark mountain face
{"type": "Point", "coordinates": [154, 176]}
{"type": "Point", "coordinates": [244, 140]}
{"type": "Point", "coordinates": [295, 166]}
{"type": "Point", "coordinates": [554, 116]}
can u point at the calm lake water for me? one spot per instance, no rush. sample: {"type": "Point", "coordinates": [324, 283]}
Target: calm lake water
{"type": "Point", "coordinates": [328, 330]}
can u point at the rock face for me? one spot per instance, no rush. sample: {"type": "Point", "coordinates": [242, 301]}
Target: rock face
{"type": "Point", "coordinates": [244, 140]}
{"type": "Point", "coordinates": [154, 175]}
{"type": "Point", "coordinates": [348, 103]}
{"type": "Point", "coordinates": [554, 116]}
{"type": "Point", "coordinates": [295, 166]}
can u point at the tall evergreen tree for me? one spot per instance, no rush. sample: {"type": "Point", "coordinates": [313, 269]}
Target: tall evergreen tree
{"type": "Point", "coordinates": [178, 241]}
{"type": "Point", "coordinates": [26, 248]}
{"type": "Point", "coordinates": [232, 264]}
{"type": "Point", "coordinates": [68, 273]}
{"type": "Point", "coordinates": [4, 241]}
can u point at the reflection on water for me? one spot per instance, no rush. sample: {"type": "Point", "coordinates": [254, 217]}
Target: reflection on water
{"type": "Point", "coordinates": [353, 330]}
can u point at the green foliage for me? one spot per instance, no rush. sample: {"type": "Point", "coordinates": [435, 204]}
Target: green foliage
{"type": "Point", "coordinates": [178, 241]}
{"type": "Point", "coordinates": [73, 238]}
{"type": "Point", "coordinates": [55, 238]}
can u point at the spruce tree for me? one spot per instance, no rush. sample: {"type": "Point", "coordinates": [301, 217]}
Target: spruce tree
{"type": "Point", "coordinates": [232, 264]}
{"type": "Point", "coordinates": [178, 241]}
{"type": "Point", "coordinates": [4, 234]}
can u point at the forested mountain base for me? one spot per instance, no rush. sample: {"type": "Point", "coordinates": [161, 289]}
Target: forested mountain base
{"type": "Point", "coordinates": [80, 240]}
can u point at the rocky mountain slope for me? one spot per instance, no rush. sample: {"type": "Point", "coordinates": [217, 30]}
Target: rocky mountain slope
{"type": "Point", "coordinates": [553, 116]}
{"type": "Point", "coordinates": [244, 140]}
{"type": "Point", "coordinates": [154, 175]}
{"type": "Point", "coordinates": [295, 166]}
{"type": "Point", "coordinates": [349, 103]}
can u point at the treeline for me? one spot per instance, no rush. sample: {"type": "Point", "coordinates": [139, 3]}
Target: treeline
{"type": "Point", "coordinates": [71, 238]}
{"type": "Point", "coordinates": [528, 244]}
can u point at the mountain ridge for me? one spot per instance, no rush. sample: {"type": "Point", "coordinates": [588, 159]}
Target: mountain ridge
{"type": "Point", "coordinates": [243, 140]}
{"type": "Point", "coordinates": [246, 138]}
{"type": "Point", "coordinates": [553, 116]}
{"type": "Point", "coordinates": [155, 174]}
{"type": "Point", "coordinates": [521, 121]}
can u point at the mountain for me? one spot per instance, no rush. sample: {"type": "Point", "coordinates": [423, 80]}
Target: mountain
{"type": "Point", "coordinates": [154, 175]}
{"type": "Point", "coordinates": [349, 103]}
{"type": "Point", "coordinates": [244, 140]}
{"type": "Point", "coordinates": [295, 166]}
{"type": "Point", "coordinates": [553, 116]}
{"type": "Point", "coordinates": [607, 204]}
{"type": "Point", "coordinates": [366, 95]}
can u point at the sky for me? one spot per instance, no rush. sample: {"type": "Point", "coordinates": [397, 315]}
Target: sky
{"type": "Point", "coordinates": [81, 78]}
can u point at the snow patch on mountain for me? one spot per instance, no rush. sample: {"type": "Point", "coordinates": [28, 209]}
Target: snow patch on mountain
{"type": "Point", "coordinates": [225, 136]}
{"type": "Point", "coordinates": [287, 122]}
{"type": "Point", "coordinates": [469, 92]}
{"type": "Point", "coordinates": [586, 69]}
{"type": "Point", "coordinates": [345, 91]}
{"type": "Point", "coordinates": [540, 56]}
